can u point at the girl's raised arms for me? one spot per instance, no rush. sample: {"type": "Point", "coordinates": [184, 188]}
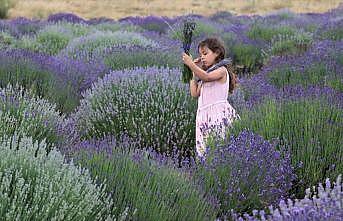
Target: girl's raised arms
{"type": "Point", "coordinates": [199, 72]}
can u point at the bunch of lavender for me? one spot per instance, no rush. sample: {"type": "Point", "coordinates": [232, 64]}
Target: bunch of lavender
{"type": "Point", "coordinates": [245, 172]}
{"type": "Point", "coordinates": [38, 186]}
{"type": "Point", "coordinates": [146, 103]}
{"type": "Point", "coordinates": [144, 180]}
{"type": "Point", "coordinates": [188, 29]}
{"type": "Point", "coordinates": [322, 203]}
{"type": "Point", "coordinates": [23, 114]}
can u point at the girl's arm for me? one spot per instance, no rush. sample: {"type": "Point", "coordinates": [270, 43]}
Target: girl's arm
{"type": "Point", "coordinates": [194, 88]}
{"type": "Point", "coordinates": [203, 75]}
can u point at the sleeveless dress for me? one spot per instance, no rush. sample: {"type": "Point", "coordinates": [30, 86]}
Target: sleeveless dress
{"type": "Point", "coordinates": [214, 111]}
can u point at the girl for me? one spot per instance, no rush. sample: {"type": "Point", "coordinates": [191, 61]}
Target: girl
{"type": "Point", "coordinates": [216, 81]}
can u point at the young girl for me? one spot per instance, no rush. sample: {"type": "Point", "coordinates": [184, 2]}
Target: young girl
{"type": "Point", "coordinates": [216, 81]}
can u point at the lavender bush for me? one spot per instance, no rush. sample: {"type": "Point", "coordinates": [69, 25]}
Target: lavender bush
{"type": "Point", "coordinates": [289, 44]}
{"type": "Point", "coordinates": [151, 23]}
{"type": "Point", "coordinates": [316, 74]}
{"type": "Point", "coordinates": [322, 203]}
{"type": "Point", "coordinates": [66, 17]}
{"type": "Point", "coordinates": [87, 47]}
{"type": "Point", "coordinates": [247, 59]}
{"type": "Point", "coordinates": [331, 30]}
{"type": "Point", "coordinates": [52, 39]}
{"type": "Point", "coordinates": [204, 28]}
{"type": "Point", "coordinates": [316, 69]}
{"type": "Point", "coordinates": [245, 172]}
{"type": "Point", "coordinates": [58, 79]}
{"type": "Point", "coordinates": [21, 26]}
{"type": "Point", "coordinates": [43, 187]}
{"type": "Point", "coordinates": [143, 181]}
{"type": "Point", "coordinates": [5, 39]}
{"type": "Point", "coordinates": [147, 103]}
{"type": "Point", "coordinates": [267, 33]}
{"type": "Point", "coordinates": [123, 57]}
{"type": "Point", "coordinates": [23, 114]}
{"type": "Point", "coordinates": [246, 53]}
{"type": "Point", "coordinates": [310, 127]}
{"type": "Point", "coordinates": [118, 26]}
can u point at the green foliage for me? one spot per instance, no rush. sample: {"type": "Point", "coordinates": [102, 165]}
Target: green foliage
{"type": "Point", "coordinates": [263, 32]}
{"type": "Point", "coordinates": [248, 58]}
{"type": "Point", "coordinates": [316, 74]}
{"type": "Point", "coordinates": [52, 41]}
{"type": "Point", "coordinates": [5, 5]}
{"type": "Point", "coordinates": [290, 44]}
{"type": "Point", "coordinates": [122, 57]}
{"type": "Point", "coordinates": [333, 33]}
{"type": "Point", "coordinates": [39, 81]}
{"type": "Point", "coordinates": [157, 192]}
{"type": "Point", "coordinates": [6, 39]}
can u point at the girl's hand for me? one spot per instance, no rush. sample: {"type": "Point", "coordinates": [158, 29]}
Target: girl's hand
{"type": "Point", "coordinates": [197, 60]}
{"type": "Point", "coordinates": [187, 60]}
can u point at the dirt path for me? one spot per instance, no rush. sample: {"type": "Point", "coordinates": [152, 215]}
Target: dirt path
{"type": "Point", "coordinates": [122, 8]}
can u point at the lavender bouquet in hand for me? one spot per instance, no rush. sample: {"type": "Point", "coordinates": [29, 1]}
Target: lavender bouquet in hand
{"type": "Point", "coordinates": [188, 28]}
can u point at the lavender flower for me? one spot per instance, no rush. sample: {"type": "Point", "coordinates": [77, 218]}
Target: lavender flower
{"type": "Point", "coordinates": [245, 173]}
{"type": "Point", "coordinates": [66, 17]}
{"type": "Point", "coordinates": [322, 203]}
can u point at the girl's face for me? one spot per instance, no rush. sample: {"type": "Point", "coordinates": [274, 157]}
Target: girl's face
{"type": "Point", "coordinates": [208, 57]}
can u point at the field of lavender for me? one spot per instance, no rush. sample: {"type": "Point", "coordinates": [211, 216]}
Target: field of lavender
{"type": "Point", "coordinates": [96, 124]}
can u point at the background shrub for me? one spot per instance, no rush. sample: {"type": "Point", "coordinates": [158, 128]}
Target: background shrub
{"type": "Point", "coordinates": [146, 103]}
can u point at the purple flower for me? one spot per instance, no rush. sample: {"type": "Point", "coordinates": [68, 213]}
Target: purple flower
{"type": "Point", "coordinates": [246, 172]}
{"type": "Point", "coordinates": [325, 204]}
{"type": "Point", "coordinates": [66, 17]}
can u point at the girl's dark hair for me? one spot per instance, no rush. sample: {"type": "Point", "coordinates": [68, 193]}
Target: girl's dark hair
{"type": "Point", "coordinates": [217, 46]}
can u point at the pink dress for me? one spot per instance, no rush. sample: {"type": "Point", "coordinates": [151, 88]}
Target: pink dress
{"type": "Point", "coordinates": [213, 108]}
